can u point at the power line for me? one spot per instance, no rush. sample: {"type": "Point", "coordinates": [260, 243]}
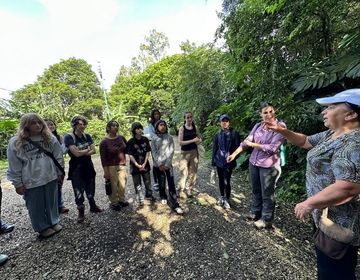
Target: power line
{"type": "Point", "coordinates": [6, 89]}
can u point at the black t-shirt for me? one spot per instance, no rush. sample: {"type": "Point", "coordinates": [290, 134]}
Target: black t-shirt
{"type": "Point", "coordinates": [82, 164]}
{"type": "Point", "coordinates": [138, 148]}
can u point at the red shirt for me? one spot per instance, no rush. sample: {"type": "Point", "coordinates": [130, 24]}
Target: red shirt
{"type": "Point", "coordinates": [112, 151]}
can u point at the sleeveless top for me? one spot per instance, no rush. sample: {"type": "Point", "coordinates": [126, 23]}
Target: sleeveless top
{"type": "Point", "coordinates": [189, 134]}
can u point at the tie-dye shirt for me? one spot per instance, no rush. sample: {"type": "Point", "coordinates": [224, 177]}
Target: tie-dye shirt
{"type": "Point", "coordinates": [330, 160]}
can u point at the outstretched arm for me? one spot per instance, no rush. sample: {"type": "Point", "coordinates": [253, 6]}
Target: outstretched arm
{"type": "Point", "coordinates": [295, 138]}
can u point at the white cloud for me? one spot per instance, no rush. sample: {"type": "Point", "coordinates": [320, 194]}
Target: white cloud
{"type": "Point", "coordinates": [92, 30]}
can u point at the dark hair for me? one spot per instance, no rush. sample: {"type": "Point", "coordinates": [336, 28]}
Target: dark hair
{"type": "Point", "coordinates": [192, 123]}
{"type": "Point", "coordinates": [152, 121]}
{"type": "Point", "coordinates": [110, 124]}
{"type": "Point", "coordinates": [55, 133]}
{"type": "Point", "coordinates": [135, 126]}
{"type": "Point", "coordinates": [264, 105]}
{"type": "Point", "coordinates": [157, 126]}
{"type": "Point", "coordinates": [75, 121]}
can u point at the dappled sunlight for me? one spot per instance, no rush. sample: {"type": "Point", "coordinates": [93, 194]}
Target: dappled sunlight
{"type": "Point", "coordinates": [145, 234]}
{"type": "Point", "coordinates": [117, 269]}
{"type": "Point", "coordinates": [238, 197]}
{"type": "Point", "coordinates": [205, 199]}
{"type": "Point", "coordinates": [163, 248]}
{"type": "Point", "coordinates": [159, 218]}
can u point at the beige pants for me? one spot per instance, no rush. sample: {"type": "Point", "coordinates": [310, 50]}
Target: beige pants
{"type": "Point", "coordinates": [189, 162]}
{"type": "Point", "coordinates": [118, 179]}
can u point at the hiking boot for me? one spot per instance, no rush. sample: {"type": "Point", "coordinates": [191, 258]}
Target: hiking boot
{"type": "Point", "coordinates": [115, 207]}
{"type": "Point", "coordinates": [63, 210]}
{"type": "Point", "coordinates": [179, 211]}
{"type": "Point", "coordinates": [81, 214]}
{"type": "Point", "coordinates": [150, 197]}
{"type": "Point", "coordinates": [96, 209]}
{"type": "Point", "coordinates": [57, 228]}
{"type": "Point", "coordinates": [226, 204]}
{"type": "Point", "coordinates": [261, 224]}
{"type": "Point", "coordinates": [47, 233]}
{"type": "Point", "coordinates": [123, 204]}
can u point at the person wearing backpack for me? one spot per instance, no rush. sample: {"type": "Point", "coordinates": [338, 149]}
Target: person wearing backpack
{"type": "Point", "coordinates": [264, 166]}
{"type": "Point", "coordinates": [81, 168]}
{"type": "Point", "coordinates": [225, 142]}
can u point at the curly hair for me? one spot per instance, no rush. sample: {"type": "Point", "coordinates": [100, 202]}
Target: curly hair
{"type": "Point", "coordinates": [24, 132]}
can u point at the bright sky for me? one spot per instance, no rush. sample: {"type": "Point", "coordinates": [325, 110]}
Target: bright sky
{"type": "Point", "coordinates": [38, 33]}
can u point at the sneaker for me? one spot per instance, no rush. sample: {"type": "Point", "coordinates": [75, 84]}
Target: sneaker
{"type": "Point", "coordinates": [178, 210]}
{"type": "Point", "coordinates": [5, 228]}
{"type": "Point", "coordinates": [261, 224]}
{"type": "Point", "coordinates": [163, 201]}
{"type": "Point", "coordinates": [189, 194]}
{"type": "Point", "coordinates": [3, 259]}
{"type": "Point", "coordinates": [63, 210]}
{"type": "Point", "coordinates": [156, 187]}
{"type": "Point", "coordinates": [226, 204]}
{"type": "Point", "coordinates": [252, 217]}
{"type": "Point", "coordinates": [221, 201]}
{"type": "Point", "coordinates": [123, 204]}
{"type": "Point", "coordinates": [57, 228]}
{"type": "Point", "coordinates": [47, 233]}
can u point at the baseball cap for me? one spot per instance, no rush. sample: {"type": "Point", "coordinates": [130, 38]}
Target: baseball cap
{"type": "Point", "coordinates": [351, 96]}
{"type": "Point", "coordinates": [224, 117]}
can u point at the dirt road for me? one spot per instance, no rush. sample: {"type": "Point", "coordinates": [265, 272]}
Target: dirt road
{"type": "Point", "coordinates": [154, 243]}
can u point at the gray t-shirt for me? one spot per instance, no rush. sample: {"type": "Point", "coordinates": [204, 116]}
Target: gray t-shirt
{"type": "Point", "coordinates": [330, 160]}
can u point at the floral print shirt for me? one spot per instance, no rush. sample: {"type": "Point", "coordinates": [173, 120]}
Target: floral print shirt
{"type": "Point", "coordinates": [330, 160]}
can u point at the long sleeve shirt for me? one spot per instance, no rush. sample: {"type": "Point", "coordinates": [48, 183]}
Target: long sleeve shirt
{"type": "Point", "coordinates": [270, 141]}
{"type": "Point", "coordinates": [162, 149]}
{"type": "Point", "coordinates": [29, 167]}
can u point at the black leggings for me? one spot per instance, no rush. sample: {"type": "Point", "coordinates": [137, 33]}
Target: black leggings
{"type": "Point", "coordinates": [224, 175]}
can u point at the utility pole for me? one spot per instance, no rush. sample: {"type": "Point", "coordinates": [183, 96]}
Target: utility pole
{"type": "Point", "coordinates": [107, 109]}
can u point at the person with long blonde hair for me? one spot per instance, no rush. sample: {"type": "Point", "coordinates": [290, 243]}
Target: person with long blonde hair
{"type": "Point", "coordinates": [34, 174]}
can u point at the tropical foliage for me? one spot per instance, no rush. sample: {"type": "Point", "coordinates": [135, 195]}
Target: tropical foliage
{"type": "Point", "coordinates": [280, 51]}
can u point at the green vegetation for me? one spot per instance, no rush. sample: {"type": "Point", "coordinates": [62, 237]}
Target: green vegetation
{"type": "Point", "coordinates": [284, 52]}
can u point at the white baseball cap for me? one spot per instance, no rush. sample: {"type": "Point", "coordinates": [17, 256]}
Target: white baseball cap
{"type": "Point", "coordinates": [351, 96]}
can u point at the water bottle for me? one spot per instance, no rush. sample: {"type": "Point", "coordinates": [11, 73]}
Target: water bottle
{"type": "Point", "coordinates": [282, 155]}
{"type": "Point", "coordinates": [212, 176]}
{"type": "Point", "coordinates": [108, 189]}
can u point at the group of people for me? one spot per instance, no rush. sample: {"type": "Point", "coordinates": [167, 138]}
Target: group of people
{"type": "Point", "coordinates": [332, 183]}
{"type": "Point", "coordinates": [36, 166]}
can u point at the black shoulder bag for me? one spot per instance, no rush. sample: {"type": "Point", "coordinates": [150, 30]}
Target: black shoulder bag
{"type": "Point", "coordinates": [49, 154]}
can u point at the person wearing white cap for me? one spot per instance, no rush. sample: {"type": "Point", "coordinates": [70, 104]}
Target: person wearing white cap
{"type": "Point", "coordinates": [333, 184]}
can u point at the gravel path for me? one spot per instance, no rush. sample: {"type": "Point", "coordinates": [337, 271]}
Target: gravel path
{"type": "Point", "coordinates": [154, 243]}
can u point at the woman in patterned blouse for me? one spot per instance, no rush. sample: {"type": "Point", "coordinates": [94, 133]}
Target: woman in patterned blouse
{"type": "Point", "coordinates": [333, 177]}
